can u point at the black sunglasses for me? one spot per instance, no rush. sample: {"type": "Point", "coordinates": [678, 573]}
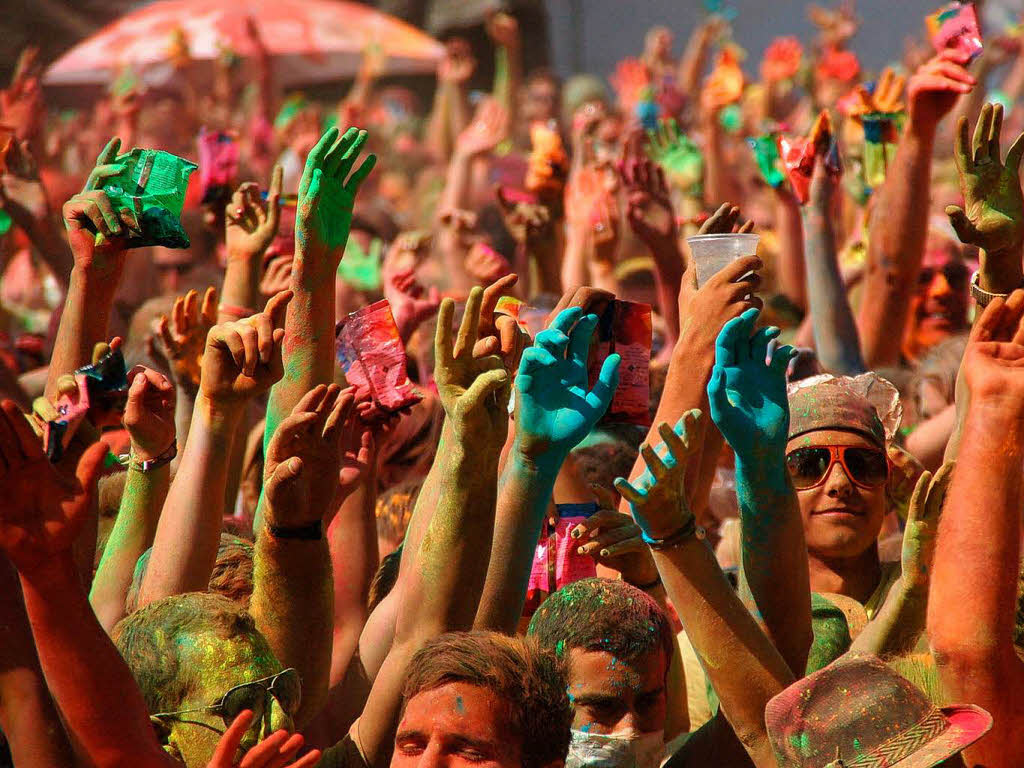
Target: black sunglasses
{"type": "Point", "coordinates": [285, 686]}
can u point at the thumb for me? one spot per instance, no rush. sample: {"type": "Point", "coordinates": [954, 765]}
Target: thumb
{"type": "Point", "coordinates": [961, 224]}
{"type": "Point", "coordinates": [285, 474]}
{"type": "Point", "coordinates": [485, 384]}
{"type": "Point", "coordinates": [717, 398]}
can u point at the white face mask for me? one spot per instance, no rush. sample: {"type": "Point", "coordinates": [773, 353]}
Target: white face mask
{"type": "Point", "coordinates": [596, 750]}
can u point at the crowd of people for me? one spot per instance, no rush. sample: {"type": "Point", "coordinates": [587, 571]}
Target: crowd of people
{"type": "Point", "coordinates": [436, 443]}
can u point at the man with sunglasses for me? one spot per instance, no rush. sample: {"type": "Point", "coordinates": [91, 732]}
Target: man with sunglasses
{"type": "Point", "coordinates": [838, 465]}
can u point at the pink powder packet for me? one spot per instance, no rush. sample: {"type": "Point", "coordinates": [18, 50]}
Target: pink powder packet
{"type": "Point", "coordinates": [955, 25]}
{"type": "Point", "coordinates": [283, 243]}
{"type": "Point", "coordinates": [218, 163]}
{"type": "Point", "coordinates": [625, 328]}
{"type": "Point", "coordinates": [556, 561]}
{"type": "Point", "coordinates": [371, 353]}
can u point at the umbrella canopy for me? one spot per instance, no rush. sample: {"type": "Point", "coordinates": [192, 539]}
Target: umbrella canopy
{"type": "Point", "coordinates": [309, 41]}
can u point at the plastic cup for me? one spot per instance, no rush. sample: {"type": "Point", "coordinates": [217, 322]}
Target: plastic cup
{"type": "Point", "coordinates": [712, 253]}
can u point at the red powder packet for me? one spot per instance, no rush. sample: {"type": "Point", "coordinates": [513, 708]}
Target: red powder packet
{"type": "Point", "coordinates": [797, 155]}
{"type": "Point", "coordinates": [556, 561]}
{"type": "Point", "coordinates": [625, 328]}
{"type": "Point", "coordinates": [955, 25]}
{"type": "Point", "coordinates": [371, 353]}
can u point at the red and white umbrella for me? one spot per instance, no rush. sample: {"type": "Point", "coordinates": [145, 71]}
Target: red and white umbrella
{"type": "Point", "coordinates": [309, 41]}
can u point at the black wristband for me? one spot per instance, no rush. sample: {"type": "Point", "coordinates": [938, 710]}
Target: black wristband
{"type": "Point", "coordinates": [311, 532]}
{"type": "Point", "coordinates": [647, 587]}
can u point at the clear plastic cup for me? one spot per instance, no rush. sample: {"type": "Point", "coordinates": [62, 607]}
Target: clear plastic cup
{"type": "Point", "coordinates": [712, 253]}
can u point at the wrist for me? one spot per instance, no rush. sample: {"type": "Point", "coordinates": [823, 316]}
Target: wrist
{"type": "Point", "coordinates": [545, 463]}
{"type": "Point", "coordinates": [1001, 271]}
{"type": "Point", "coordinates": [216, 412]}
{"type": "Point", "coordinates": [921, 130]}
{"type": "Point", "coordinates": [141, 453]}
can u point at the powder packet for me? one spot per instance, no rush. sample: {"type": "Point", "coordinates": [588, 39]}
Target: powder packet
{"type": "Point", "coordinates": [370, 351]}
{"type": "Point", "coordinates": [218, 164]}
{"type": "Point", "coordinates": [625, 328]}
{"type": "Point", "coordinates": [880, 140]}
{"type": "Point", "coordinates": [548, 166]}
{"type": "Point", "coordinates": [798, 154]}
{"type": "Point", "coordinates": [767, 157]}
{"type": "Point", "coordinates": [151, 187]}
{"type": "Point", "coordinates": [955, 25]}
{"type": "Point", "coordinates": [556, 561]}
{"type": "Point", "coordinates": [513, 307]}
{"type": "Point", "coordinates": [724, 85]}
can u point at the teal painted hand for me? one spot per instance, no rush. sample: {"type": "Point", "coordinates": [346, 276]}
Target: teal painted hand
{"type": "Point", "coordinates": [747, 392]}
{"type": "Point", "coordinates": [327, 194]}
{"type": "Point", "coordinates": [554, 409]}
{"type": "Point", "coordinates": [657, 498]}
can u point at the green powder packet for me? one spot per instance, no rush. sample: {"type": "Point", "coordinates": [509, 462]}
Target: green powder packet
{"type": "Point", "coordinates": [151, 186]}
{"type": "Point", "coordinates": [766, 153]}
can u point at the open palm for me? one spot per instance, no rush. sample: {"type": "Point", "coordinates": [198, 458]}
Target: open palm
{"type": "Point", "coordinates": [554, 407]}
{"type": "Point", "coordinates": [747, 394]}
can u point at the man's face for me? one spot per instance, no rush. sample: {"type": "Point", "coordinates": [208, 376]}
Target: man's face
{"type": "Point", "coordinates": [220, 664]}
{"type": "Point", "coordinates": [939, 305]}
{"type": "Point", "coordinates": [541, 102]}
{"type": "Point", "coordinates": [457, 724]}
{"type": "Point", "coordinates": [612, 696]}
{"type": "Point", "coordinates": [841, 519]}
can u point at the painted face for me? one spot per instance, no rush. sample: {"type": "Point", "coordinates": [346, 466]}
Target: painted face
{"type": "Point", "coordinates": [841, 519]}
{"type": "Point", "coordinates": [612, 696]}
{"type": "Point", "coordinates": [939, 305]}
{"type": "Point", "coordinates": [455, 725]}
{"type": "Point", "coordinates": [219, 664]}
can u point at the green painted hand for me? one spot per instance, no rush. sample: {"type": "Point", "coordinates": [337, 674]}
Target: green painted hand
{"type": "Point", "coordinates": [993, 214]}
{"type": "Point", "coordinates": [657, 498]}
{"type": "Point", "coordinates": [922, 527]}
{"type": "Point", "coordinates": [678, 155]}
{"type": "Point", "coordinates": [327, 194]}
{"type": "Point", "coordinates": [747, 392]}
{"type": "Point", "coordinates": [554, 409]}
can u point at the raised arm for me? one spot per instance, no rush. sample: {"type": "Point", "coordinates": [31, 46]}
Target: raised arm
{"type": "Point", "coordinates": [88, 217]}
{"type": "Point", "coordinates": [555, 409]}
{"type": "Point", "coordinates": [750, 407]}
{"type": "Point", "coordinates": [327, 194]}
{"type": "Point", "coordinates": [102, 707]}
{"type": "Point", "coordinates": [973, 593]}
{"type": "Point", "coordinates": [899, 223]}
{"type": "Point", "coordinates": [240, 362]}
{"type": "Point", "coordinates": [898, 625]}
{"type": "Point", "coordinates": [441, 592]}
{"type": "Point", "coordinates": [835, 331]}
{"type": "Point", "coordinates": [149, 419]}
{"type": "Point", "coordinates": [741, 663]}
{"type": "Point", "coordinates": [293, 596]}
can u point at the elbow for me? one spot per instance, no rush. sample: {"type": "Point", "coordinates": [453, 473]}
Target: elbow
{"type": "Point", "coordinates": [960, 656]}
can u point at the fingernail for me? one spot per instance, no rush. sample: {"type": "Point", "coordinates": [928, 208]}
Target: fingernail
{"type": "Point", "coordinates": [575, 533]}
{"type": "Point", "coordinates": [604, 553]}
{"type": "Point", "coordinates": [579, 550]}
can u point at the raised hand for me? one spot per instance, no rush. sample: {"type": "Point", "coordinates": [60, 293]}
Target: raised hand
{"type": "Point", "coordinates": [243, 359]}
{"type": "Point", "coordinates": [44, 509]}
{"type": "Point", "coordinates": [458, 63]}
{"type": "Point", "coordinates": [503, 29]}
{"type": "Point", "coordinates": [657, 499]}
{"type": "Point", "coordinates": [485, 265]}
{"type": "Point", "coordinates": [327, 194]}
{"type": "Point", "coordinates": [993, 364]}
{"type": "Point", "coordinates": [615, 541]}
{"type": "Point", "coordinates": [411, 304]}
{"type": "Point", "coordinates": [724, 221]}
{"type": "Point", "coordinates": [181, 338]}
{"type": "Point", "coordinates": [304, 457]}
{"type": "Point", "coordinates": [21, 189]}
{"type": "Point", "coordinates": [993, 214]}
{"type": "Point", "coordinates": [649, 207]}
{"type": "Point", "coordinates": [747, 392]}
{"type": "Point", "coordinates": [487, 130]}
{"type": "Point", "coordinates": [554, 407]}
{"type": "Point", "coordinates": [275, 751]}
{"type": "Point", "coordinates": [934, 88]}
{"type": "Point", "coordinates": [923, 526]}
{"type": "Point", "coordinates": [149, 413]}
{"type": "Point", "coordinates": [526, 222]}
{"type": "Point", "coordinates": [474, 391]}
{"type": "Point", "coordinates": [251, 223]}
{"type": "Point", "coordinates": [677, 155]}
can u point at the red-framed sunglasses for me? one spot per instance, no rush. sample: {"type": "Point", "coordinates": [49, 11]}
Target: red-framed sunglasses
{"type": "Point", "coordinates": [809, 466]}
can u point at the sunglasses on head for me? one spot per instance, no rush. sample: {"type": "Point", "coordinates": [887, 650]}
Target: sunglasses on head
{"type": "Point", "coordinates": [808, 467]}
{"type": "Point", "coordinates": [285, 686]}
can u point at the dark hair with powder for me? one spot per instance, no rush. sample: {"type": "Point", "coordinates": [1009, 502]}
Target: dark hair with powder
{"type": "Point", "coordinates": [602, 615]}
{"type": "Point", "coordinates": [385, 578]}
{"type": "Point", "coordinates": [528, 681]}
{"type": "Point", "coordinates": [231, 576]}
{"type": "Point", "coordinates": [149, 642]}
